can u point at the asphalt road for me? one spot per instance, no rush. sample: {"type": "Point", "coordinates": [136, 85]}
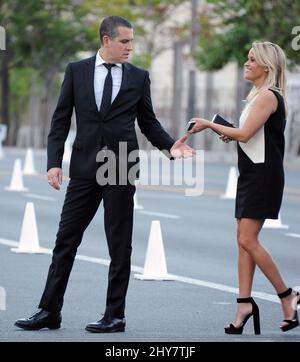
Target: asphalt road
{"type": "Point", "coordinates": [200, 247]}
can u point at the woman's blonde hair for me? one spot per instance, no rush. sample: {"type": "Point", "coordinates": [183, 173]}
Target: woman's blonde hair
{"type": "Point", "coordinates": [272, 57]}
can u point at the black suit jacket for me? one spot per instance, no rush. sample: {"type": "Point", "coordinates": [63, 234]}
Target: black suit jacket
{"type": "Point", "coordinates": [93, 131]}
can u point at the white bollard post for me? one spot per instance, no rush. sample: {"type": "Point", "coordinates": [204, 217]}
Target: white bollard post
{"type": "Point", "coordinates": [2, 298]}
{"type": "Point", "coordinates": [3, 134]}
{"type": "Point", "coordinates": [274, 224]}
{"type": "Point", "coordinates": [137, 206]}
{"type": "Point", "coordinates": [29, 163]}
{"type": "Point", "coordinates": [155, 267]}
{"type": "Point", "coordinates": [29, 240]}
{"type": "Point", "coordinates": [1, 151]}
{"type": "Point", "coordinates": [67, 152]}
{"type": "Point", "coordinates": [16, 183]}
{"type": "Point", "coordinates": [231, 184]}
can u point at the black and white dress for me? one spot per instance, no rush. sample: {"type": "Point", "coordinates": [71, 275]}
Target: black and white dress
{"type": "Point", "coordinates": [260, 163]}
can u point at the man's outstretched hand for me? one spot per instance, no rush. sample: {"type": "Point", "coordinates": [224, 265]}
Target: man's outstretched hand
{"type": "Point", "coordinates": [180, 149]}
{"type": "Point", "coordinates": [55, 177]}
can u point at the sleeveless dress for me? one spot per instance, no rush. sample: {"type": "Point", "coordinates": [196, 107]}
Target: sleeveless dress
{"type": "Point", "coordinates": [260, 163]}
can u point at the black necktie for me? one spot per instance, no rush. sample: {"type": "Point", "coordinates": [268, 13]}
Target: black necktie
{"type": "Point", "coordinates": [107, 91]}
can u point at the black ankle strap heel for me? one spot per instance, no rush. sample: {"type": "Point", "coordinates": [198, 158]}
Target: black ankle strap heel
{"type": "Point", "coordinates": [291, 323]}
{"type": "Point", "coordinates": [231, 329]}
{"type": "Point", "coordinates": [245, 300]}
{"type": "Point", "coordinates": [286, 293]}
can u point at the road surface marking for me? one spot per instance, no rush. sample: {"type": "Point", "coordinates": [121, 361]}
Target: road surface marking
{"type": "Point", "coordinates": [134, 268]}
{"type": "Point", "coordinates": [293, 235]}
{"type": "Point", "coordinates": [40, 197]}
{"type": "Point", "coordinates": [159, 214]}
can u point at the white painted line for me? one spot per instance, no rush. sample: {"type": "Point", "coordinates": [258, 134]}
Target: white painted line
{"type": "Point", "coordinates": [15, 244]}
{"type": "Point", "coordinates": [8, 242]}
{"type": "Point", "coordinates": [40, 197]}
{"type": "Point", "coordinates": [293, 235]}
{"type": "Point", "coordinates": [78, 256]}
{"type": "Point", "coordinates": [134, 268]}
{"type": "Point", "coordinates": [159, 214]}
{"type": "Point", "coordinates": [225, 288]}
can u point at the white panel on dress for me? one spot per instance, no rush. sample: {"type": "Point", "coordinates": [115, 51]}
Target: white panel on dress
{"type": "Point", "coordinates": [255, 147]}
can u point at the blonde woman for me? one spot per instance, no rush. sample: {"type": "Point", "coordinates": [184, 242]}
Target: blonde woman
{"type": "Point", "coordinates": [260, 185]}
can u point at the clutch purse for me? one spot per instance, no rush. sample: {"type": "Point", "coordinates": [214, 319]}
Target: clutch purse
{"type": "Point", "coordinates": [222, 121]}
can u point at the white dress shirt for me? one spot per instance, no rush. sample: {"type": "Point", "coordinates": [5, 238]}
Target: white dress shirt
{"type": "Point", "coordinates": [99, 79]}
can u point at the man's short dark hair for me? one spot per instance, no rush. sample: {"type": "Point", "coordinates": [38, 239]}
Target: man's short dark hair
{"type": "Point", "coordinates": [109, 26]}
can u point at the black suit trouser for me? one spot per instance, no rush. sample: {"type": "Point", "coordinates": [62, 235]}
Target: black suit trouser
{"type": "Point", "coordinates": [82, 200]}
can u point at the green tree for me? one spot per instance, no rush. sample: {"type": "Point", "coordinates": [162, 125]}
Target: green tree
{"type": "Point", "coordinates": [44, 35]}
{"type": "Point", "coordinates": [20, 81]}
{"type": "Point", "coordinates": [229, 28]}
{"type": "Point", "coordinates": [149, 18]}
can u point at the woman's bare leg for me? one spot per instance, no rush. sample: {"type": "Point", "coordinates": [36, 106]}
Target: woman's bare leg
{"type": "Point", "coordinates": [248, 240]}
{"type": "Point", "coordinates": [246, 269]}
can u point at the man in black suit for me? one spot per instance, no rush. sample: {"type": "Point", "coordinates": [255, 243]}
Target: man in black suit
{"type": "Point", "coordinates": [108, 94]}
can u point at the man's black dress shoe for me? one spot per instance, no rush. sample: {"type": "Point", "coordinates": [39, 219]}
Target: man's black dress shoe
{"type": "Point", "coordinates": [107, 325]}
{"type": "Point", "coordinates": [39, 320]}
